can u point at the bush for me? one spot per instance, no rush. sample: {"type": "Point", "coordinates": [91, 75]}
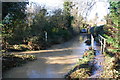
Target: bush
{"type": "Point", "coordinates": [58, 35]}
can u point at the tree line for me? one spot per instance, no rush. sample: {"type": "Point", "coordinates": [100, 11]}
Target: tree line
{"type": "Point", "coordinates": [26, 31]}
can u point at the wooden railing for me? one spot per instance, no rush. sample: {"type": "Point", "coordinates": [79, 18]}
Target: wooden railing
{"type": "Point", "coordinates": [102, 41]}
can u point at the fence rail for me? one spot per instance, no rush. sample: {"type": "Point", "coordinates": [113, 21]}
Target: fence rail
{"type": "Point", "coordinates": [102, 41]}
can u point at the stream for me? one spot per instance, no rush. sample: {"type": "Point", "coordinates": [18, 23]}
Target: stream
{"type": "Point", "coordinates": [53, 62]}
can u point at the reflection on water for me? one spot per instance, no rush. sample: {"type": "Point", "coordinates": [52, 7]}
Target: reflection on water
{"type": "Point", "coordinates": [54, 62]}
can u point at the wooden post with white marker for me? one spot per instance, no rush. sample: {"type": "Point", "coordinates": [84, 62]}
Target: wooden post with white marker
{"type": "Point", "coordinates": [92, 41]}
{"type": "Point", "coordinates": [46, 36]}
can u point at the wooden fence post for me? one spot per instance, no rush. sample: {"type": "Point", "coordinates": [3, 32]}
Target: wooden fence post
{"type": "Point", "coordinates": [46, 36]}
{"type": "Point", "coordinates": [103, 43]}
{"type": "Point", "coordinates": [92, 41]}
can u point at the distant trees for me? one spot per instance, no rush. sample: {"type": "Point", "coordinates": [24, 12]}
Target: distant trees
{"type": "Point", "coordinates": [67, 13]}
{"type": "Point", "coordinates": [54, 25]}
{"type": "Point", "coordinates": [57, 25]}
{"type": "Point", "coordinates": [23, 27]}
{"type": "Point", "coordinates": [17, 30]}
{"type": "Point", "coordinates": [79, 12]}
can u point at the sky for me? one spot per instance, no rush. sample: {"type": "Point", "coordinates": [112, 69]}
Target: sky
{"type": "Point", "coordinates": [50, 4]}
{"type": "Point", "coordinates": [100, 7]}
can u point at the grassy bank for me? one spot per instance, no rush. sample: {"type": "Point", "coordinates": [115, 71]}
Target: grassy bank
{"type": "Point", "coordinates": [111, 66]}
{"type": "Point", "coordinates": [84, 67]}
{"type": "Point", "coordinates": [12, 60]}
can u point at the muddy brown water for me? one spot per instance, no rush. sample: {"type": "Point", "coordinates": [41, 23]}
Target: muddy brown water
{"type": "Point", "coordinates": [54, 62]}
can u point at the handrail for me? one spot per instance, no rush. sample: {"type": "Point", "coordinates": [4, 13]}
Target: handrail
{"type": "Point", "coordinates": [102, 37]}
{"type": "Point", "coordinates": [103, 43]}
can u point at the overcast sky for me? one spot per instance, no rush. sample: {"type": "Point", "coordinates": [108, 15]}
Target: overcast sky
{"type": "Point", "coordinates": [101, 7]}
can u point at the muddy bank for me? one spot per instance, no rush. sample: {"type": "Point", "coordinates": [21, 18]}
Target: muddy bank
{"type": "Point", "coordinates": [84, 67]}
{"type": "Point", "coordinates": [11, 60]}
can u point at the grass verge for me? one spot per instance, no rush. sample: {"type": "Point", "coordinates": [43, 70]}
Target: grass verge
{"type": "Point", "coordinates": [111, 66]}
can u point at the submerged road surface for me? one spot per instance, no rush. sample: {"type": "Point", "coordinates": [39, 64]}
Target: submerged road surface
{"type": "Point", "coordinates": [54, 62]}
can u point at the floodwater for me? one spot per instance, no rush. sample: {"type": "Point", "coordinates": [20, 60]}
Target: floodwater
{"type": "Point", "coordinates": [54, 62]}
{"type": "Point", "coordinates": [99, 59]}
